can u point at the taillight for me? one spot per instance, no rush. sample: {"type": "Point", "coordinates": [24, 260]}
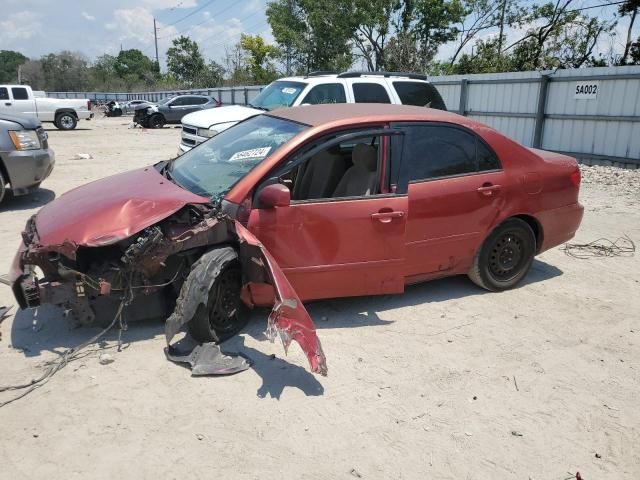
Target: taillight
{"type": "Point", "coordinates": [575, 177]}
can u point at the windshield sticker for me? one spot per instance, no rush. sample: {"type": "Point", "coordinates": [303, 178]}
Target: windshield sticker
{"type": "Point", "coordinates": [289, 90]}
{"type": "Point", "coordinates": [253, 153]}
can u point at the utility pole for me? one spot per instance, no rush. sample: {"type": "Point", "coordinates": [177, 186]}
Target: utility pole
{"type": "Point", "coordinates": [155, 34]}
{"type": "Point", "coordinates": [504, 7]}
{"type": "Point", "coordinates": [19, 74]}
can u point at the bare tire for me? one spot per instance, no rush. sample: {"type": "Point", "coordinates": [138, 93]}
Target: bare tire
{"type": "Point", "coordinates": [3, 187]}
{"type": "Point", "coordinates": [505, 256]}
{"type": "Point", "coordinates": [66, 121]}
{"type": "Point", "coordinates": [225, 314]}
{"type": "Point", "coordinates": [156, 121]}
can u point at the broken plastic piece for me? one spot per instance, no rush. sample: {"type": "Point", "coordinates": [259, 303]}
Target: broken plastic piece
{"type": "Point", "coordinates": [208, 359]}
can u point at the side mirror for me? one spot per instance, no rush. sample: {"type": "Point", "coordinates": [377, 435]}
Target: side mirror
{"type": "Point", "coordinates": [274, 195]}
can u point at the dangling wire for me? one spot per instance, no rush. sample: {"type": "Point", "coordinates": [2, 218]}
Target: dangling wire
{"type": "Point", "coordinates": [603, 247]}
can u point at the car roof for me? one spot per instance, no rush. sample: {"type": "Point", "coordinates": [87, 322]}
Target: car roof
{"type": "Point", "coordinates": [315, 115]}
{"type": "Point", "coordinates": [319, 78]}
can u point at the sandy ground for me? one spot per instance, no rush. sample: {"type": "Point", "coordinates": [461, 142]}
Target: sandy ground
{"type": "Point", "coordinates": [446, 381]}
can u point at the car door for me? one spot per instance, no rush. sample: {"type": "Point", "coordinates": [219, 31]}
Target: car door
{"type": "Point", "coordinates": [455, 188]}
{"type": "Point", "coordinates": [338, 246]}
{"type": "Point", "coordinates": [18, 101]}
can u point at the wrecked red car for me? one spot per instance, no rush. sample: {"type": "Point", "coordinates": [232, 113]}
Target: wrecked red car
{"type": "Point", "coordinates": [306, 203]}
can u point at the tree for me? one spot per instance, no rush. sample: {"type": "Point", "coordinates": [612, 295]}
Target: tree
{"type": "Point", "coordinates": [485, 59]}
{"type": "Point", "coordinates": [9, 62]}
{"type": "Point", "coordinates": [421, 26]}
{"type": "Point", "coordinates": [374, 26]}
{"type": "Point", "coordinates": [629, 8]}
{"type": "Point", "coordinates": [64, 71]}
{"type": "Point", "coordinates": [312, 34]}
{"type": "Point", "coordinates": [259, 58]}
{"type": "Point", "coordinates": [184, 60]}
{"type": "Point", "coordinates": [562, 38]}
{"type": "Point", "coordinates": [135, 65]}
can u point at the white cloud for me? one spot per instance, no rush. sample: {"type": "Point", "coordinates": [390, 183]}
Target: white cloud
{"type": "Point", "coordinates": [89, 17]}
{"type": "Point", "coordinates": [20, 26]}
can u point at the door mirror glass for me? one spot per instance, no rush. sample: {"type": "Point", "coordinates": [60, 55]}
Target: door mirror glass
{"type": "Point", "coordinates": [274, 195]}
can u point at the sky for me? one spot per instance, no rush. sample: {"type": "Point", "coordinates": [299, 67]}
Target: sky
{"type": "Point", "coordinates": [95, 27]}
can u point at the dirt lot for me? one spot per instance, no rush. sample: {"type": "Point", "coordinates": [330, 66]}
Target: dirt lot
{"type": "Point", "coordinates": [446, 381]}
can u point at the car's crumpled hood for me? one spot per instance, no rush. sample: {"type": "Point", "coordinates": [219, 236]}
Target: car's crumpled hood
{"type": "Point", "coordinates": [211, 116]}
{"type": "Point", "coordinates": [111, 209]}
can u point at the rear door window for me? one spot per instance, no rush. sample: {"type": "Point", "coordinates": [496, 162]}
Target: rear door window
{"type": "Point", "coordinates": [436, 151]}
{"type": "Point", "coordinates": [365, 92]}
{"type": "Point", "coordinates": [421, 94]}
{"type": "Point", "coordinates": [4, 93]}
{"type": "Point", "coordinates": [198, 101]}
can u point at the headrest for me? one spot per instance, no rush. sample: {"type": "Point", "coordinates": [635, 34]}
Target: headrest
{"type": "Point", "coordinates": [365, 156]}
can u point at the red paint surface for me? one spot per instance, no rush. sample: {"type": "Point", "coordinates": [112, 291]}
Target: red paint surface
{"type": "Point", "coordinates": [111, 209]}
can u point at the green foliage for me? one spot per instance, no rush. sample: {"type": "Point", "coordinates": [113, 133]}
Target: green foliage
{"type": "Point", "coordinates": [135, 65]}
{"type": "Point", "coordinates": [259, 58]}
{"type": "Point", "coordinates": [184, 60]}
{"type": "Point", "coordinates": [9, 62]}
{"type": "Point", "coordinates": [65, 71]}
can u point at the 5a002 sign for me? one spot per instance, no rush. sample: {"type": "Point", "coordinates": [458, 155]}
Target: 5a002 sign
{"type": "Point", "coordinates": [586, 90]}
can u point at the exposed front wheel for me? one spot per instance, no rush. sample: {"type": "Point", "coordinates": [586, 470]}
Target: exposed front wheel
{"type": "Point", "coordinates": [66, 121]}
{"type": "Point", "coordinates": [156, 121]}
{"type": "Point", "coordinates": [505, 256]}
{"type": "Point", "coordinates": [224, 313]}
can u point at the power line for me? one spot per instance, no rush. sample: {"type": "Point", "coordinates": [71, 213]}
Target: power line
{"type": "Point", "coordinates": [192, 13]}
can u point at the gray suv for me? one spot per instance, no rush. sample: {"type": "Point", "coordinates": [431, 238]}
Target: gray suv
{"type": "Point", "coordinates": [25, 157]}
{"type": "Point", "coordinates": [171, 110]}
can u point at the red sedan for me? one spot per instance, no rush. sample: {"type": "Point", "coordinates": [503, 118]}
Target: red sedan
{"type": "Point", "coordinates": [299, 204]}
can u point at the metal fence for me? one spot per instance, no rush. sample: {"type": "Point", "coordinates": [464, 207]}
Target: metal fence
{"type": "Point", "coordinates": [590, 113]}
{"type": "Point", "coordinates": [227, 95]}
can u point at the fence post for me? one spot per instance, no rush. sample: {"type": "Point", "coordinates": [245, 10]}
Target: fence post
{"type": "Point", "coordinates": [464, 89]}
{"type": "Point", "coordinates": [246, 96]}
{"type": "Point", "coordinates": [233, 96]}
{"type": "Point", "coordinates": [542, 103]}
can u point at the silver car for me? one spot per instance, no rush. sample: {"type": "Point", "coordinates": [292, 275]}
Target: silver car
{"type": "Point", "coordinates": [25, 157]}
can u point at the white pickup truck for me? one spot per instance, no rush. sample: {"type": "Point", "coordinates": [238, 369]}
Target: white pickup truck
{"type": "Point", "coordinates": [63, 112]}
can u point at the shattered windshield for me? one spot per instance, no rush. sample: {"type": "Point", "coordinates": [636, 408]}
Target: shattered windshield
{"type": "Point", "coordinates": [278, 94]}
{"type": "Point", "coordinates": [213, 167]}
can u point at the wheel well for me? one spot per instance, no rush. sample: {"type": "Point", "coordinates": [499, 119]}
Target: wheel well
{"type": "Point", "coordinates": [66, 110]}
{"type": "Point", "coordinates": [535, 226]}
{"type": "Point", "coordinates": [5, 173]}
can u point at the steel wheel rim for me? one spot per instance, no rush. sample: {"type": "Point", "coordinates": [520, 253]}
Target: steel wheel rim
{"type": "Point", "coordinates": [66, 121]}
{"type": "Point", "coordinates": [507, 256]}
{"type": "Point", "coordinates": [223, 315]}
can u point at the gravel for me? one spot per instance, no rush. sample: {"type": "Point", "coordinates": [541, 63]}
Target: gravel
{"type": "Point", "coordinates": [619, 180]}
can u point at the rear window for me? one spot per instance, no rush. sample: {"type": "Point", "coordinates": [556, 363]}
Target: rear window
{"type": "Point", "coordinates": [370, 93]}
{"type": "Point", "coordinates": [20, 93]}
{"type": "Point", "coordinates": [421, 94]}
{"type": "Point", "coordinates": [198, 100]}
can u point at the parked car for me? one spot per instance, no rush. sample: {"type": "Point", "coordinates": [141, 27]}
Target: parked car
{"type": "Point", "coordinates": [25, 157]}
{"type": "Point", "coordinates": [63, 112]}
{"type": "Point", "coordinates": [312, 89]}
{"type": "Point", "coordinates": [130, 106]}
{"type": "Point", "coordinates": [299, 204]}
{"type": "Point", "coordinates": [171, 110]}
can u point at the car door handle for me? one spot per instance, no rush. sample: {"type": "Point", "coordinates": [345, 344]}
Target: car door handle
{"type": "Point", "coordinates": [8, 104]}
{"type": "Point", "coordinates": [386, 217]}
{"type": "Point", "coordinates": [488, 189]}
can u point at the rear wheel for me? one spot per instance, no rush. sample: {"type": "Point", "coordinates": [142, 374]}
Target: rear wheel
{"type": "Point", "coordinates": [225, 314]}
{"type": "Point", "coordinates": [156, 121]}
{"type": "Point", "coordinates": [505, 256]}
{"type": "Point", "coordinates": [66, 121]}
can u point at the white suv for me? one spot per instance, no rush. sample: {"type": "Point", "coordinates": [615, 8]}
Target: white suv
{"type": "Point", "coordinates": [317, 87]}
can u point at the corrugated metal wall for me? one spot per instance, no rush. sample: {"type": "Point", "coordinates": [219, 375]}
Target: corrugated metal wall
{"type": "Point", "coordinates": [605, 126]}
{"type": "Point", "coordinates": [535, 108]}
